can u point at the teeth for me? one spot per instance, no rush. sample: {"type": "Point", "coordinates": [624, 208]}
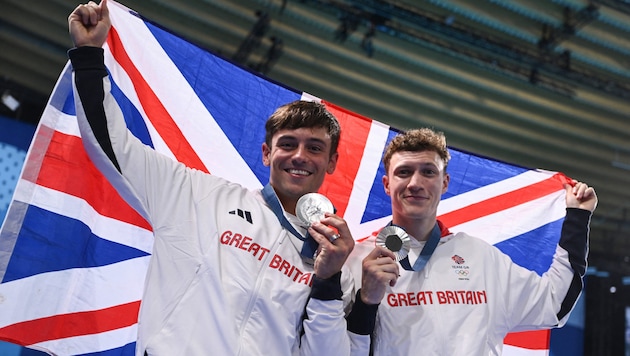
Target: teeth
{"type": "Point", "coordinates": [299, 172]}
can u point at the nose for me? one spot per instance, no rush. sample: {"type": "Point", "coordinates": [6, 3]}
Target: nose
{"type": "Point", "coordinates": [415, 181]}
{"type": "Point", "coordinates": [300, 154]}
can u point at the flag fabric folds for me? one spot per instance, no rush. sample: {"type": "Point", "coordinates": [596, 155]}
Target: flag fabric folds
{"type": "Point", "coordinates": [73, 253]}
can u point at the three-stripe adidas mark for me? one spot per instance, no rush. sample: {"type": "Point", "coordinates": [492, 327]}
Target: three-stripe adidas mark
{"type": "Point", "coordinates": [244, 214]}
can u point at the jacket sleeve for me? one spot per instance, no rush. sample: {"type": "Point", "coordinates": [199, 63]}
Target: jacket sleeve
{"type": "Point", "coordinates": [536, 302]}
{"type": "Point", "coordinates": [325, 324]}
{"type": "Point", "coordinates": [361, 318]}
{"type": "Point", "coordinates": [361, 323]}
{"type": "Point", "coordinates": [574, 240]}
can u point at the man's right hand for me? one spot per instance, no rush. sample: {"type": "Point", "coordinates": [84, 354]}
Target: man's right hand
{"type": "Point", "coordinates": [89, 24]}
{"type": "Point", "coordinates": [380, 270]}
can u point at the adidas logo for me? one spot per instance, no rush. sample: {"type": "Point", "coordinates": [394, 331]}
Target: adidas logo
{"type": "Point", "coordinates": [244, 214]}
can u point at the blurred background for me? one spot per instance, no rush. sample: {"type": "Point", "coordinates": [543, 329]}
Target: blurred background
{"type": "Point", "coordinates": [538, 83]}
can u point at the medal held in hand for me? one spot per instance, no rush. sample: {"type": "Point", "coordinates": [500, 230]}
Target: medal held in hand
{"type": "Point", "coordinates": [311, 208]}
{"type": "Point", "coordinates": [395, 239]}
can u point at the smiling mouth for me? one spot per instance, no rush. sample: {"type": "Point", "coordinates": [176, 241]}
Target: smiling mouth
{"type": "Point", "coordinates": [299, 172]}
{"type": "Point", "coordinates": [416, 197]}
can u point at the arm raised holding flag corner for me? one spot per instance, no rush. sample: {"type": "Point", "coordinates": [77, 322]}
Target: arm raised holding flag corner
{"type": "Point", "coordinates": [231, 272]}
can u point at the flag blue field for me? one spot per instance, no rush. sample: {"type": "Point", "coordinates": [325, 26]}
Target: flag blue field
{"type": "Point", "coordinates": [73, 253]}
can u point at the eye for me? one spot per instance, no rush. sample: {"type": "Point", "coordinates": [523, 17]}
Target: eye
{"type": "Point", "coordinates": [286, 145]}
{"type": "Point", "coordinates": [316, 148]}
{"type": "Point", "coordinates": [429, 172]}
{"type": "Point", "coordinates": [404, 172]}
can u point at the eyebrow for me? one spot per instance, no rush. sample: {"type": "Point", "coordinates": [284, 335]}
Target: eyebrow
{"type": "Point", "coordinates": [422, 164]}
{"type": "Point", "coordinates": [310, 140]}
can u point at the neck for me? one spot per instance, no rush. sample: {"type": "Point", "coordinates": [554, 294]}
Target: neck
{"type": "Point", "coordinates": [289, 207]}
{"type": "Point", "coordinates": [288, 203]}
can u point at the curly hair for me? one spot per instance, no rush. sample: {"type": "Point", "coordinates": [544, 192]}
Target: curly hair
{"type": "Point", "coordinates": [418, 140]}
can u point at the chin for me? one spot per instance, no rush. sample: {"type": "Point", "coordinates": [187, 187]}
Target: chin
{"type": "Point", "coordinates": [296, 191]}
{"type": "Point", "coordinates": [415, 214]}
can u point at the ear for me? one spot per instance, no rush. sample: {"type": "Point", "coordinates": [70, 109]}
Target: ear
{"type": "Point", "coordinates": [386, 184]}
{"type": "Point", "coordinates": [266, 155]}
{"type": "Point", "coordinates": [447, 179]}
{"type": "Point", "coordinates": [332, 163]}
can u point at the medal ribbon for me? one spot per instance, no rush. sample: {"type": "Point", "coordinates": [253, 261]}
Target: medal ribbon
{"type": "Point", "coordinates": [310, 245]}
{"type": "Point", "coordinates": [426, 252]}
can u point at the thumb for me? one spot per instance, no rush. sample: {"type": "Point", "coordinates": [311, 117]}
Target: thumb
{"type": "Point", "coordinates": [571, 199]}
{"type": "Point", "coordinates": [104, 9]}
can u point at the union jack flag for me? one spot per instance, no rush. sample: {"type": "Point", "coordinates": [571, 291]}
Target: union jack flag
{"type": "Point", "coordinates": [73, 253]}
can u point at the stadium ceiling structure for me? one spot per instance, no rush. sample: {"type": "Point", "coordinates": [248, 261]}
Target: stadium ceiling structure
{"type": "Point", "coordinates": [542, 84]}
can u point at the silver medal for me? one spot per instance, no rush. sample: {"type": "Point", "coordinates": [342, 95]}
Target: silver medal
{"type": "Point", "coordinates": [311, 208]}
{"type": "Point", "coordinates": [395, 239]}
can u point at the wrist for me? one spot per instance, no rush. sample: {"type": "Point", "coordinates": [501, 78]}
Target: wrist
{"type": "Point", "coordinates": [327, 288]}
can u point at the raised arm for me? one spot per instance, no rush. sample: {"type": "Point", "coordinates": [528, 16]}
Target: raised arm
{"type": "Point", "coordinates": [574, 240]}
{"type": "Point", "coordinates": [143, 177]}
{"type": "Point", "coordinates": [546, 302]}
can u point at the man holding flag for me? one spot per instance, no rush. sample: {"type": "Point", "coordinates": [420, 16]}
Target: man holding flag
{"type": "Point", "coordinates": [231, 271]}
{"type": "Point", "coordinates": [455, 294]}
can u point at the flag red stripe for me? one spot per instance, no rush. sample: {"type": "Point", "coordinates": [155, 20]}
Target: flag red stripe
{"type": "Point", "coordinates": [502, 202]}
{"type": "Point", "coordinates": [72, 324]}
{"type": "Point", "coordinates": [532, 340]}
{"type": "Point", "coordinates": [82, 179]}
{"type": "Point", "coordinates": [354, 132]}
{"type": "Point", "coordinates": [156, 112]}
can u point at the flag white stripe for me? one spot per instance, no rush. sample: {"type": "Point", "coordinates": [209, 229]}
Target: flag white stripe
{"type": "Point", "coordinates": [72, 290]}
{"type": "Point", "coordinates": [532, 215]}
{"type": "Point", "coordinates": [91, 343]}
{"type": "Point", "coordinates": [492, 190]}
{"type": "Point", "coordinates": [518, 351]}
{"type": "Point", "coordinates": [126, 86]}
{"type": "Point", "coordinates": [76, 208]}
{"type": "Point", "coordinates": [204, 135]}
{"type": "Point", "coordinates": [368, 168]}
{"type": "Point", "coordinates": [60, 93]}
{"type": "Point", "coordinates": [310, 97]}
{"type": "Point", "coordinates": [65, 124]}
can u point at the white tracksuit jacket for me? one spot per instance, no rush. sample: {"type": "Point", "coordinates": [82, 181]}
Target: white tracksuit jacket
{"type": "Point", "coordinates": [470, 295]}
{"type": "Point", "coordinates": [225, 278]}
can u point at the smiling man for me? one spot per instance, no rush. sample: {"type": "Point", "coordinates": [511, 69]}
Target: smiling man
{"type": "Point", "coordinates": [221, 282]}
{"type": "Point", "coordinates": [454, 294]}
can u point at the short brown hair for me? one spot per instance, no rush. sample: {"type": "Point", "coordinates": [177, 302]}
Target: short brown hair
{"type": "Point", "coordinates": [418, 140]}
{"type": "Point", "coordinates": [307, 114]}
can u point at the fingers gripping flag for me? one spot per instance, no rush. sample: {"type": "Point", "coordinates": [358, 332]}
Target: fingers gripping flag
{"type": "Point", "coordinates": [73, 253]}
